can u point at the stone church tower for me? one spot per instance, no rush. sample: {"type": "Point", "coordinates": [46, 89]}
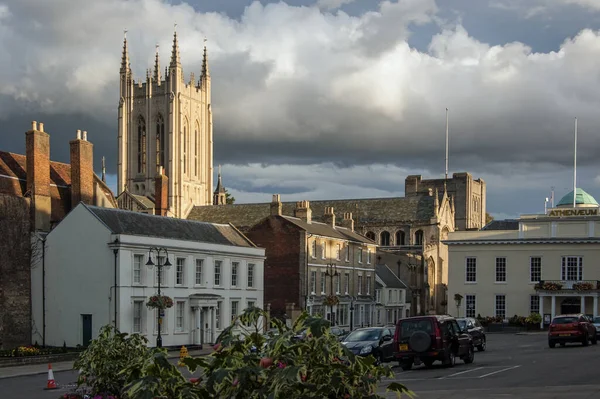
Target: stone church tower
{"type": "Point", "coordinates": [165, 122]}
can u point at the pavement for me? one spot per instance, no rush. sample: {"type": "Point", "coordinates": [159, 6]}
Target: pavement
{"type": "Point", "coordinates": [514, 366]}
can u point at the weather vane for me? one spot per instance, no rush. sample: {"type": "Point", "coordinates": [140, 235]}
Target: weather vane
{"type": "Point", "coordinates": [125, 33]}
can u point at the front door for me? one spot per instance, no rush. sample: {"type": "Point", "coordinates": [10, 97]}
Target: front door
{"type": "Point", "coordinates": [570, 306]}
{"type": "Point", "coordinates": [86, 321]}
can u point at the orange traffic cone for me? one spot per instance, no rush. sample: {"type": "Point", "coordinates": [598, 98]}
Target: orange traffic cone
{"type": "Point", "coordinates": [51, 383]}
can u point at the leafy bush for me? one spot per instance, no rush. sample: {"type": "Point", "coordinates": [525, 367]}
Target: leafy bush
{"type": "Point", "coordinates": [534, 318]}
{"type": "Point", "coordinates": [101, 364]}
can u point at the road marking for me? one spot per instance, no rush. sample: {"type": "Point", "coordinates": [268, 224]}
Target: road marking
{"type": "Point", "coordinates": [498, 371]}
{"type": "Point", "coordinates": [462, 372]}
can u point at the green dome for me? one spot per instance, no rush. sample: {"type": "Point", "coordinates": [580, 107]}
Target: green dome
{"type": "Point", "coordinates": [582, 199]}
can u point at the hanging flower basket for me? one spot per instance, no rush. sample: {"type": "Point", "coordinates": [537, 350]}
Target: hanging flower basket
{"type": "Point", "coordinates": [331, 300]}
{"type": "Point", "coordinates": [159, 302]}
{"type": "Point", "coordinates": [584, 286]}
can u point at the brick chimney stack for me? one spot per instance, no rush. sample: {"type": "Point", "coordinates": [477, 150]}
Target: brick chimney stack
{"type": "Point", "coordinates": [348, 222]}
{"type": "Point", "coordinates": [37, 143]}
{"type": "Point", "coordinates": [82, 170]}
{"type": "Point", "coordinates": [276, 205]}
{"type": "Point", "coordinates": [161, 193]}
{"type": "Point", "coordinates": [329, 216]}
{"type": "Point", "coordinates": [303, 211]}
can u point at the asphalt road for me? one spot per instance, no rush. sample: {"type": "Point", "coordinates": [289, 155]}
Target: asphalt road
{"type": "Point", "coordinates": [513, 366]}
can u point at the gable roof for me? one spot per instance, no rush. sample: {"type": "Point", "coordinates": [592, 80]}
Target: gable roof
{"type": "Point", "coordinates": [120, 221]}
{"type": "Point", "coordinates": [388, 277]}
{"type": "Point", "coordinates": [326, 230]}
{"type": "Point", "coordinates": [365, 212]}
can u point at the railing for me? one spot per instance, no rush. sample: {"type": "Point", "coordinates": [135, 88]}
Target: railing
{"type": "Point", "coordinates": [568, 285]}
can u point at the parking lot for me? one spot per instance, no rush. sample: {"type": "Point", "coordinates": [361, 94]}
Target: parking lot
{"type": "Point", "coordinates": [513, 366]}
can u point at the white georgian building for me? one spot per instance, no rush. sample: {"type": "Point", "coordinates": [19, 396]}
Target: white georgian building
{"type": "Point", "coordinates": [390, 297]}
{"type": "Point", "coordinates": [216, 273]}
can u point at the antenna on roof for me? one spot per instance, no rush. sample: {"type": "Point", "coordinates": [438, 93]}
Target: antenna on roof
{"type": "Point", "coordinates": [546, 205]}
{"type": "Point", "coordinates": [552, 197]}
{"type": "Point", "coordinates": [446, 145]}
{"type": "Point", "coordinates": [575, 167]}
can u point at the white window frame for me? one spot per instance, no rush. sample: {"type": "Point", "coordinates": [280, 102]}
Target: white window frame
{"type": "Point", "coordinates": [323, 283]}
{"type": "Point", "coordinates": [359, 284]}
{"type": "Point", "coordinates": [532, 300]}
{"type": "Point", "coordinates": [474, 272]}
{"type": "Point", "coordinates": [234, 309]}
{"type": "Point", "coordinates": [368, 292]}
{"type": "Point", "coordinates": [347, 252]}
{"type": "Point", "coordinates": [179, 265]}
{"type": "Point", "coordinates": [531, 270]}
{"type": "Point", "coordinates": [235, 268]}
{"type": "Point", "coordinates": [179, 318]}
{"type": "Point", "coordinates": [338, 251]}
{"type": "Point", "coordinates": [323, 250]}
{"type": "Point", "coordinates": [368, 256]}
{"type": "Point", "coordinates": [500, 264]}
{"type": "Point", "coordinates": [346, 283]}
{"type": "Point", "coordinates": [360, 255]}
{"type": "Point", "coordinates": [218, 272]}
{"type": "Point", "coordinates": [313, 282]}
{"type": "Point", "coordinates": [199, 272]}
{"type": "Point", "coordinates": [496, 308]}
{"type": "Point", "coordinates": [138, 330]}
{"type": "Point", "coordinates": [251, 268]}
{"type": "Point", "coordinates": [313, 249]}
{"type": "Point", "coordinates": [565, 267]}
{"type": "Point", "coordinates": [470, 298]}
{"type": "Point", "coordinates": [338, 283]}
{"type": "Point", "coordinates": [137, 268]}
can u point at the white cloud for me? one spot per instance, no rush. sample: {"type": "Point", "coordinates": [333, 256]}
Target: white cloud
{"type": "Point", "coordinates": [332, 4]}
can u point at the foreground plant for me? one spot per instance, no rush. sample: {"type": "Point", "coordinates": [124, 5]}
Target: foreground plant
{"type": "Point", "coordinates": [248, 364]}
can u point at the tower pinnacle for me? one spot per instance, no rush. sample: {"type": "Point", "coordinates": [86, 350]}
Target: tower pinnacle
{"type": "Point", "coordinates": [205, 71]}
{"type": "Point", "coordinates": [125, 55]}
{"type": "Point", "coordinates": [157, 77]}
{"type": "Point", "coordinates": [175, 60]}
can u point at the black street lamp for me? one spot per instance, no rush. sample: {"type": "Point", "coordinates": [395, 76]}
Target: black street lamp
{"type": "Point", "coordinates": [331, 272]}
{"type": "Point", "coordinates": [159, 267]}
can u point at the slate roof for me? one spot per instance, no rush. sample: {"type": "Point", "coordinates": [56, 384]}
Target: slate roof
{"type": "Point", "coordinates": [327, 230]}
{"type": "Point", "coordinates": [121, 221]}
{"type": "Point", "coordinates": [388, 277]}
{"type": "Point", "coordinates": [376, 211]}
{"type": "Point", "coordinates": [147, 202]}
{"type": "Point", "coordinates": [507, 224]}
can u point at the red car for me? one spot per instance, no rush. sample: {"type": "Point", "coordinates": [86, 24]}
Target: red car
{"type": "Point", "coordinates": [571, 328]}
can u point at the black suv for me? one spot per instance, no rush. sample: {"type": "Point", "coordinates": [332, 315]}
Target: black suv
{"type": "Point", "coordinates": [425, 339]}
{"type": "Point", "coordinates": [474, 327]}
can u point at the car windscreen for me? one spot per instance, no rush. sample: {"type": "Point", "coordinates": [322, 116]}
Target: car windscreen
{"type": "Point", "coordinates": [596, 319]}
{"type": "Point", "coordinates": [363, 335]}
{"type": "Point", "coordinates": [565, 320]}
{"type": "Point", "coordinates": [408, 327]}
{"type": "Point", "coordinates": [462, 323]}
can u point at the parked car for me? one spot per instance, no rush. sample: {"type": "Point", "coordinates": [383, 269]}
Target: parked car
{"type": "Point", "coordinates": [571, 328]}
{"type": "Point", "coordinates": [376, 341]}
{"type": "Point", "coordinates": [339, 332]}
{"type": "Point", "coordinates": [596, 323]}
{"type": "Point", "coordinates": [425, 339]}
{"type": "Point", "coordinates": [474, 327]}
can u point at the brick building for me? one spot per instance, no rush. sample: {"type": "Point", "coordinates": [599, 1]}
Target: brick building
{"type": "Point", "coordinates": [298, 252]}
{"type": "Point", "coordinates": [47, 190]}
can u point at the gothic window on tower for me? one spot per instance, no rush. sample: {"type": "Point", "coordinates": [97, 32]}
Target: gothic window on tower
{"type": "Point", "coordinates": [160, 142]}
{"type": "Point", "coordinates": [196, 151]}
{"type": "Point", "coordinates": [141, 145]}
{"type": "Point", "coordinates": [185, 141]}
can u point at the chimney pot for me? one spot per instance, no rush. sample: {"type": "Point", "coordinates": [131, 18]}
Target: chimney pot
{"type": "Point", "coordinates": [161, 194]}
{"type": "Point", "coordinates": [348, 222]}
{"type": "Point", "coordinates": [78, 134]}
{"type": "Point", "coordinates": [33, 125]}
{"type": "Point", "coordinates": [276, 205]}
{"type": "Point", "coordinates": [41, 128]}
{"type": "Point", "coordinates": [84, 135]}
{"type": "Point", "coordinates": [160, 171]}
{"type": "Point", "coordinates": [303, 211]}
{"type": "Point", "coordinates": [82, 172]}
{"type": "Point", "coordinates": [329, 216]}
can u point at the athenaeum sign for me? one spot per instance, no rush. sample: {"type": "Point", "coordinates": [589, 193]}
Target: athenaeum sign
{"type": "Point", "coordinates": [573, 212]}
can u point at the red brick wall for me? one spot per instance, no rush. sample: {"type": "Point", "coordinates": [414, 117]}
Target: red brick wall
{"type": "Point", "coordinates": [161, 194]}
{"type": "Point", "coordinates": [37, 145]}
{"type": "Point", "coordinates": [282, 242]}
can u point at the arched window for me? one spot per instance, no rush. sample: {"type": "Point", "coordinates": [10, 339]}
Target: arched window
{"type": "Point", "coordinates": [419, 237]}
{"type": "Point", "coordinates": [385, 239]}
{"type": "Point", "coordinates": [400, 238]}
{"type": "Point", "coordinates": [196, 150]}
{"type": "Point", "coordinates": [185, 144]}
{"type": "Point", "coordinates": [141, 145]}
{"type": "Point", "coordinates": [160, 142]}
{"type": "Point", "coordinates": [370, 235]}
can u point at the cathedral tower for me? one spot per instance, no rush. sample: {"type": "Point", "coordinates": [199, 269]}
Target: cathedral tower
{"type": "Point", "coordinates": [166, 122]}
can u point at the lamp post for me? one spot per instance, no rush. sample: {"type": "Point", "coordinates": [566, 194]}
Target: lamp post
{"type": "Point", "coordinates": [331, 272]}
{"type": "Point", "coordinates": [160, 268]}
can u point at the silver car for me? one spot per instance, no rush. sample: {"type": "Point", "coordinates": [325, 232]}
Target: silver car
{"type": "Point", "coordinates": [596, 322]}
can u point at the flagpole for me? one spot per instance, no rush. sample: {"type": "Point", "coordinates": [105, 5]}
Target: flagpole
{"type": "Point", "coordinates": [575, 168]}
{"type": "Point", "coordinates": [446, 143]}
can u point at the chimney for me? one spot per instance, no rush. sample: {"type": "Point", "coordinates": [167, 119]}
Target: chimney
{"type": "Point", "coordinates": [329, 216]}
{"type": "Point", "coordinates": [348, 222]}
{"type": "Point", "coordinates": [82, 170]}
{"type": "Point", "coordinates": [303, 211]}
{"type": "Point", "coordinates": [276, 205]}
{"type": "Point", "coordinates": [37, 144]}
{"type": "Point", "coordinates": [161, 193]}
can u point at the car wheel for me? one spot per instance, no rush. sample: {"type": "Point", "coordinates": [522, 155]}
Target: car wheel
{"type": "Point", "coordinates": [595, 339]}
{"type": "Point", "coordinates": [470, 357]}
{"type": "Point", "coordinates": [482, 345]}
{"type": "Point", "coordinates": [551, 344]}
{"type": "Point", "coordinates": [586, 340]}
{"type": "Point", "coordinates": [450, 358]}
{"type": "Point", "coordinates": [406, 366]}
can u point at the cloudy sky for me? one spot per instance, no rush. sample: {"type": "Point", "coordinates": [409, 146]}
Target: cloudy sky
{"type": "Point", "coordinates": [317, 99]}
